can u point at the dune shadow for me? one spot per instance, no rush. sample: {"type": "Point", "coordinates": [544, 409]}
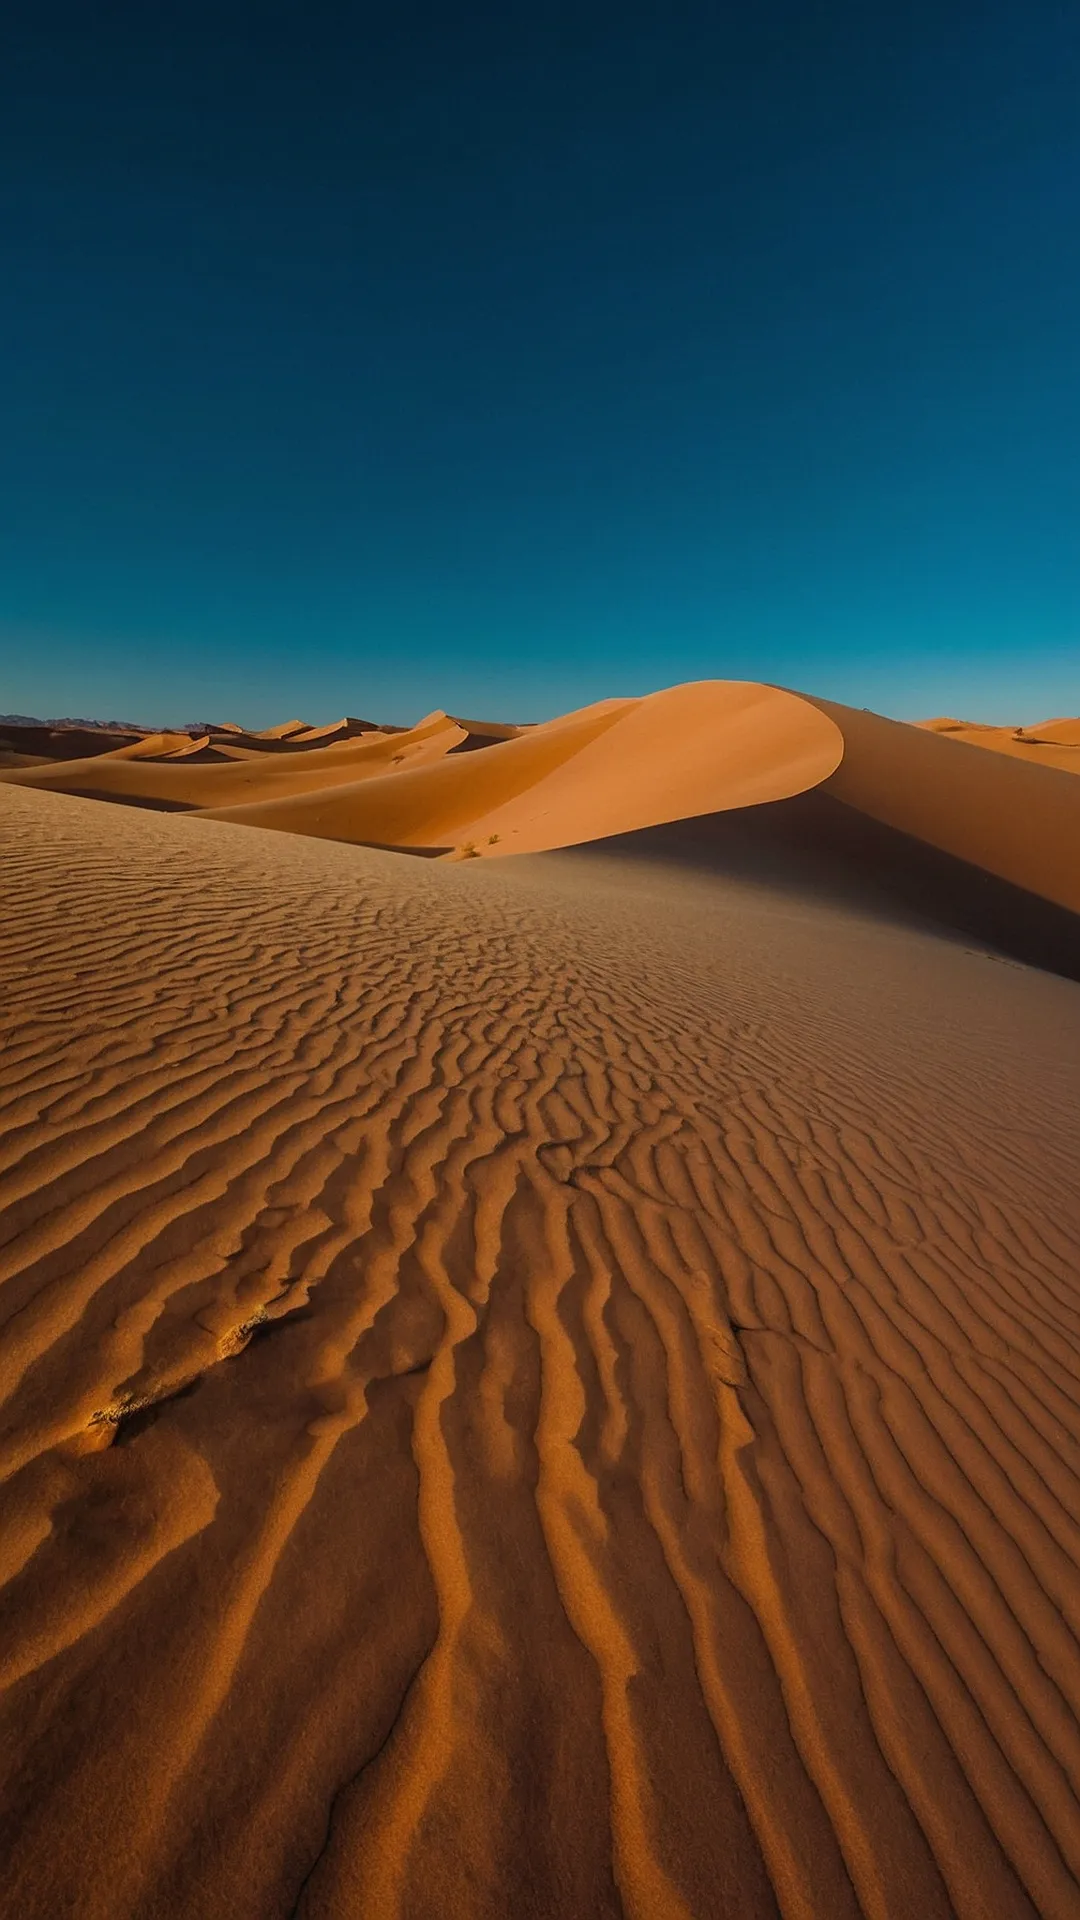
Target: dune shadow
{"type": "Point", "coordinates": [816, 848]}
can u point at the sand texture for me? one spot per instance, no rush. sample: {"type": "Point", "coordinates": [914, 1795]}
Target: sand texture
{"type": "Point", "coordinates": [542, 1387]}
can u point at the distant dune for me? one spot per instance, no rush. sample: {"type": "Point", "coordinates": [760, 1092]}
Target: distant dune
{"type": "Point", "coordinates": [243, 774]}
{"type": "Point", "coordinates": [541, 1386]}
{"type": "Point", "coordinates": [1050, 743]}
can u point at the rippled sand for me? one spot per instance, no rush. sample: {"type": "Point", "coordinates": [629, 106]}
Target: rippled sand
{"type": "Point", "coordinates": [547, 1387]}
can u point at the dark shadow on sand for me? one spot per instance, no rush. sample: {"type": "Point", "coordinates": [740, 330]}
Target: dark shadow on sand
{"type": "Point", "coordinates": [814, 847]}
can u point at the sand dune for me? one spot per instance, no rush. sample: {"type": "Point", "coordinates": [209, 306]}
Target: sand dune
{"type": "Point", "coordinates": [484, 733]}
{"type": "Point", "coordinates": [66, 741]}
{"type": "Point", "coordinates": [1021, 821]}
{"type": "Point", "coordinates": [193, 743]}
{"type": "Point", "coordinates": [250, 776]}
{"type": "Point", "coordinates": [150, 747]}
{"type": "Point", "coordinates": [467, 788]}
{"type": "Point", "coordinates": [607, 769]}
{"type": "Point", "coordinates": [1051, 743]}
{"type": "Point", "coordinates": [543, 1388]}
{"type": "Point", "coordinates": [334, 728]}
{"type": "Point", "coordinates": [1064, 732]}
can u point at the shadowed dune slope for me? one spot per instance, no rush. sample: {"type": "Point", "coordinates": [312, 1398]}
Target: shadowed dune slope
{"type": "Point", "coordinates": [606, 769]}
{"type": "Point", "coordinates": [812, 846]}
{"type": "Point", "coordinates": [64, 743]}
{"type": "Point", "coordinates": [1018, 820]}
{"type": "Point", "coordinates": [545, 1388]}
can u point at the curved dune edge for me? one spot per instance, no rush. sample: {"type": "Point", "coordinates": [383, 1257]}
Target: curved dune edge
{"type": "Point", "coordinates": [1016, 819]}
{"type": "Point", "coordinates": [525, 1392]}
{"type": "Point", "coordinates": [608, 769]}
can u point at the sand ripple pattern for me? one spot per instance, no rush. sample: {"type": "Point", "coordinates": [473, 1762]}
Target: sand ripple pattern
{"type": "Point", "coordinates": [548, 1388]}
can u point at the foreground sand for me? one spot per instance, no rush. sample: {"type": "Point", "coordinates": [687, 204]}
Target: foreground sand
{"type": "Point", "coordinates": [542, 1388]}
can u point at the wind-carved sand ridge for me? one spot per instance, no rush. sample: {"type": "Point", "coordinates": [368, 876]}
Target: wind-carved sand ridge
{"type": "Point", "coordinates": [543, 1386]}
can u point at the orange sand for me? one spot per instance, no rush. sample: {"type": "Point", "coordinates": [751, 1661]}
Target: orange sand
{"type": "Point", "coordinates": [284, 731]}
{"type": "Point", "coordinates": [546, 1387]}
{"type": "Point", "coordinates": [1020, 821]}
{"type": "Point", "coordinates": [611, 768]}
{"type": "Point", "coordinates": [253, 775]}
{"type": "Point", "coordinates": [1051, 743]}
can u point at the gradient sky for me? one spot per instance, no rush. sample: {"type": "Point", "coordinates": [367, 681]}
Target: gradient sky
{"type": "Point", "coordinates": [501, 358]}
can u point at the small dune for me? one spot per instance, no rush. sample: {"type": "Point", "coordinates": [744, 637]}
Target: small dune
{"type": "Point", "coordinates": [246, 775]}
{"type": "Point", "coordinates": [1049, 743]}
{"type": "Point", "coordinates": [285, 730]}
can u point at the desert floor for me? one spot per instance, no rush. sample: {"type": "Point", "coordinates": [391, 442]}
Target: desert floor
{"type": "Point", "coordinates": [533, 1388]}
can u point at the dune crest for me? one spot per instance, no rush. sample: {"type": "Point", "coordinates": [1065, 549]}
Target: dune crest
{"type": "Point", "coordinates": [609, 768]}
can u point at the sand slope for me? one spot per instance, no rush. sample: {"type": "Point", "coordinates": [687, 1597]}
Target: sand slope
{"type": "Point", "coordinates": [464, 789]}
{"type": "Point", "coordinates": [247, 774]}
{"type": "Point", "coordinates": [1051, 743]}
{"type": "Point", "coordinates": [544, 1388]}
{"type": "Point", "coordinates": [607, 769]}
{"type": "Point", "coordinates": [150, 747]}
{"type": "Point", "coordinates": [1020, 821]}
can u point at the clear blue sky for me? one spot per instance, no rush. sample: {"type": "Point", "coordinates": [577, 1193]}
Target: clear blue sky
{"type": "Point", "coordinates": [503, 357]}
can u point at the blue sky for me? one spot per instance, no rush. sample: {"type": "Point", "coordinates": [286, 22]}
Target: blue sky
{"type": "Point", "coordinates": [503, 359]}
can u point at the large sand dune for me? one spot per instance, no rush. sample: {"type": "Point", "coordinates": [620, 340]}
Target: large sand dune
{"type": "Point", "coordinates": [614, 767]}
{"type": "Point", "coordinates": [609, 768]}
{"type": "Point", "coordinates": [542, 1388]}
